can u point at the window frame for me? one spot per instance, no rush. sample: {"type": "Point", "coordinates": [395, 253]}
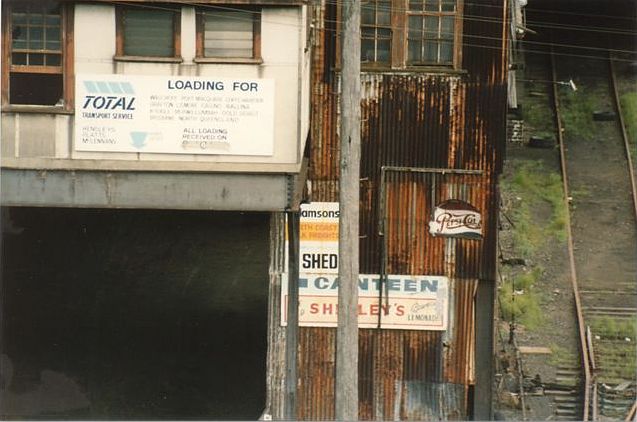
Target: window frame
{"type": "Point", "coordinates": [120, 12]}
{"type": "Point", "coordinates": [376, 27]}
{"type": "Point", "coordinates": [400, 13]}
{"type": "Point", "coordinates": [256, 58]}
{"type": "Point", "coordinates": [65, 69]}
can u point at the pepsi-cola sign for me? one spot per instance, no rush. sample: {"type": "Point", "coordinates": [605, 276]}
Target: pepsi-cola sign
{"type": "Point", "coordinates": [456, 218]}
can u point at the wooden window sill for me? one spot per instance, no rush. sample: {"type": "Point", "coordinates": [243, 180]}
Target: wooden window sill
{"type": "Point", "coordinates": [41, 109]}
{"type": "Point", "coordinates": [228, 60]}
{"type": "Point", "coordinates": [15, 68]}
{"type": "Point", "coordinates": [148, 59]}
{"type": "Point", "coordinates": [411, 69]}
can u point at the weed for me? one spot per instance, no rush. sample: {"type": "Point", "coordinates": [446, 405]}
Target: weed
{"type": "Point", "coordinates": [581, 193]}
{"type": "Point", "coordinates": [535, 185]}
{"type": "Point", "coordinates": [561, 355]}
{"type": "Point", "coordinates": [607, 327]}
{"type": "Point", "coordinates": [628, 103]}
{"type": "Point", "coordinates": [620, 359]}
{"type": "Point", "coordinates": [538, 117]}
{"type": "Point", "coordinates": [577, 114]}
{"type": "Point", "coordinates": [518, 301]}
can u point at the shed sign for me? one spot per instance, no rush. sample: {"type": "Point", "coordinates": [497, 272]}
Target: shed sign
{"type": "Point", "coordinates": [456, 218]}
{"type": "Point", "coordinates": [318, 243]}
{"type": "Point", "coordinates": [407, 302]}
{"type": "Point", "coordinates": [174, 114]}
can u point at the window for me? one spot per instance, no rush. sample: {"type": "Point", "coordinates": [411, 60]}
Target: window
{"type": "Point", "coordinates": [401, 33]}
{"type": "Point", "coordinates": [148, 32]}
{"type": "Point", "coordinates": [375, 31]}
{"type": "Point", "coordinates": [431, 31]}
{"type": "Point", "coordinates": [34, 34]}
{"type": "Point", "coordinates": [228, 33]}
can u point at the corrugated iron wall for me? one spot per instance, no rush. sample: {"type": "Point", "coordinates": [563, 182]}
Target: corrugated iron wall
{"type": "Point", "coordinates": [412, 120]}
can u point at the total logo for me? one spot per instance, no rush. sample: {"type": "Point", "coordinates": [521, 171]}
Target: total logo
{"type": "Point", "coordinates": [109, 96]}
{"type": "Point", "coordinates": [109, 103]}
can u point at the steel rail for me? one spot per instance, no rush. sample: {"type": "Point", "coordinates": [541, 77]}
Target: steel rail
{"type": "Point", "coordinates": [591, 351]}
{"type": "Point", "coordinates": [632, 413]}
{"type": "Point", "coordinates": [571, 255]}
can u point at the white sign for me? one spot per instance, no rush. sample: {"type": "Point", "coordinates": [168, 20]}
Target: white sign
{"type": "Point", "coordinates": [174, 114]}
{"type": "Point", "coordinates": [318, 243]}
{"type": "Point", "coordinates": [455, 218]}
{"type": "Point", "coordinates": [411, 302]}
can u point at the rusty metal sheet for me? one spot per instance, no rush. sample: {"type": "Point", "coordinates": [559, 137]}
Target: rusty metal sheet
{"type": "Point", "coordinates": [412, 119]}
{"type": "Point", "coordinates": [315, 398]}
{"type": "Point", "coordinates": [426, 401]}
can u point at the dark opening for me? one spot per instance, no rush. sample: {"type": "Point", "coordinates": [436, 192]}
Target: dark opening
{"type": "Point", "coordinates": [35, 88]}
{"type": "Point", "coordinates": [133, 314]}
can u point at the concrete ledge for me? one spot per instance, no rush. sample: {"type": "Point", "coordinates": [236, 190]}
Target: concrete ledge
{"type": "Point", "coordinates": [41, 163]}
{"type": "Point", "coordinates": [149, 190]}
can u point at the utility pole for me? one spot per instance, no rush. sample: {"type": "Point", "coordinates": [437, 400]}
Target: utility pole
{"type": "Point", "coordinates": [348, 268]}
{"type": "Point", "coordinates": [292, 331]}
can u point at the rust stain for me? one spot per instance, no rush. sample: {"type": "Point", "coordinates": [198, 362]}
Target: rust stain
{"type": "Point", "coordinates": [413, 120]}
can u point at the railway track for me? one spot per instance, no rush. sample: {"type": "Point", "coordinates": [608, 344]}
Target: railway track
{"type": "Point", "coordinates": [598, 176]}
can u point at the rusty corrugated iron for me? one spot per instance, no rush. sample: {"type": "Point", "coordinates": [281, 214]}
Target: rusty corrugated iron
{"type": "Point", "coordinates": [317, 347]}
{"type": "Point", "coordinates": [412, 119]}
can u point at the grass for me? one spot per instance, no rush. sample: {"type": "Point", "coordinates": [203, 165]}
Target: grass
{"type": "Point", "coordinates": [607, 327]}
{"type": "Point", "coordinates": [536, 186]}
{"type": "Point", "coordinates": [616, 357]}
{"type": "Point", "coordinates": [538, 216]}
{"type": "Point", "coordinates": [617, 362]}
{"type": "Point", "coordinates": [523, 306]}
{"type": "Point", "coordinates": [539, 118]}
{"type": "Point", "coordinates": [582, 193]}
{"type": "Point", "coordinates": [577, 114]}
{"type": "Point", "coordinates": [628, 103]}
{"type": "Point", "coordinates": [562, 356]}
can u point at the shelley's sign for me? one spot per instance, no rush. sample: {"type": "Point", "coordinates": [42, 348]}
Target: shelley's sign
{"type": "Point", "coordinates": [408, 302]}
{"type": "Point", "coordinates": [455, 218]}
{"type": "Point", "coordinates": [174, 114]}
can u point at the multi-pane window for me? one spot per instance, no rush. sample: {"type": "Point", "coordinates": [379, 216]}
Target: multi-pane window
{"type": "Point", "coordinates": [399, 33]}
{"type": "Point", "coordinates": [229, 33]}
{"type": "Point", "coordinates": [36, 55]}
{"type": "Point", "coordinates": [36, 35]}
{"type": "Point", "coordinates": [148, 31]}
{"type": "Point", "coordinates": [376, 32]}
{"type": "Point", "coordinates": [431, 31]}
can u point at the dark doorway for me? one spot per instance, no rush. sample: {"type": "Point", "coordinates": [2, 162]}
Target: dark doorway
{"type": "Point", "coordinates": [133, 314]}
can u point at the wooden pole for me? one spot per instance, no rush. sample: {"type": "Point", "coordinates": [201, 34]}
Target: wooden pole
{"type": "Point", "coordinates": [347, 330]}
{"type": "Point", "coordinates": [292, 330]}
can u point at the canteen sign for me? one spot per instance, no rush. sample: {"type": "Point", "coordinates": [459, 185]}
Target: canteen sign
{"type": "Point", "coordinates": [409, 302]}
{"type": "Point", "coordinates": [174, 114]}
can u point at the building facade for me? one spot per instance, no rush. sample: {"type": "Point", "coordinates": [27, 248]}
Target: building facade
{"type": "Point", "coordinates": [148, 151]}
{"type": "Point", "coordinates": [434, 88]}
{"type": "Point", "coordinates": [232, 108]}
